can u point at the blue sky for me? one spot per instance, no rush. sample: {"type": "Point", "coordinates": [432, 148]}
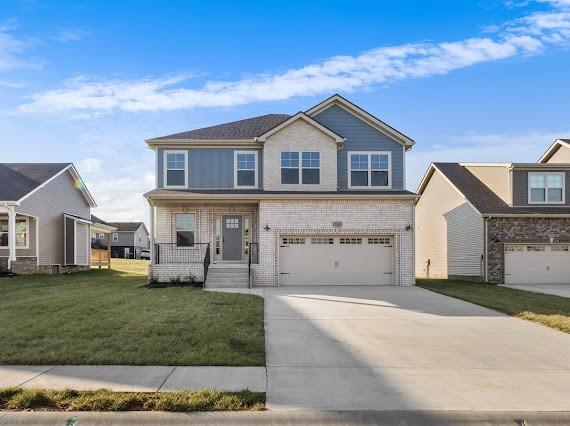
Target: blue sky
{"type": "Point", "coordinates": [88, 81]}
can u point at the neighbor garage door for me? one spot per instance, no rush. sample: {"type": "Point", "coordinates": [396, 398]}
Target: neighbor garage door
{"type": "Point", "coordinates": [537, 264]}
{"type": "Point", "coordinates": [334, 260]}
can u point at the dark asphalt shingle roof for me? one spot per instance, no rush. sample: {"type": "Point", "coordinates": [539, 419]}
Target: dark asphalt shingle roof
{"type": "Point", "coordinates": [126, 226]}
{"type": "Point", "coordinates": [18, 179]}
{"type": "Point", "coordinates": [242, 129]}
{"type": "Point", "coordinates": [483, 198]}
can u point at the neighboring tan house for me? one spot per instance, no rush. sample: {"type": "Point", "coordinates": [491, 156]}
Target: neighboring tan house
{"type": "Point", "coordinates": [558, 152]}
{"type": "Point", "coordinates": [129, 239]}
{"type": "Point", "coordinates": [499, 223]}
{"type": "Point", "coordinates": [101, 242]}
{"type": "Point", "coordinates": [314, 198]}
{"type": "Point", "coordinates": [45, 216]}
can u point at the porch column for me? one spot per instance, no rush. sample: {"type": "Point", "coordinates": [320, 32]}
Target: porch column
{"type": "Point", "coordinates": [151, 211]}
{"type": "Point", "coordinates": [11, 235]}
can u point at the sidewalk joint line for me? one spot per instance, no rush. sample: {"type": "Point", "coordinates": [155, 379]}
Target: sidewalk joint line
{"type": "Point", "coordinates": [166, 378]}
{"type": "Point", "coordinates": [35, 377]}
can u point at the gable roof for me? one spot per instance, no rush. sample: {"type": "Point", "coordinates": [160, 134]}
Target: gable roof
{"type": "Point", "coordinates": [301, 116]}
{"type": "Point", "coordinates": [556, 145]}
{"type": "Point", "coordinates": [247, 129]}
{"type": "Point", "coordinates": [363, 115]}
{"type": "Point", "coordinates": [481, 197]}
{"type": "Point", "coordinates": [126, 226]}
{"type": "Point", "coordinates": [20, 180]}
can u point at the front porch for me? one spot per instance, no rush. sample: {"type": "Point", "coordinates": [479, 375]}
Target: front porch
{"type": "Point", "coordinates": [191, 239]}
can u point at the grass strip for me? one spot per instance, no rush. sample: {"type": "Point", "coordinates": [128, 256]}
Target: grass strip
{"type": "Point", "coordinates": [106, 400]}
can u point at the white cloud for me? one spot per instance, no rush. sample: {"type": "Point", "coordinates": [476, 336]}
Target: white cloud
{"type": "Point", "coordinates": [525, 147]}
{"type": "Point", "coordinates": [122, 199]}
{"type": "Point", "coordinates": [89, 165]}
{"type": "Point", "coordinates": [385, 65]}
{"type": "Point", "coordinates": [12, 51]}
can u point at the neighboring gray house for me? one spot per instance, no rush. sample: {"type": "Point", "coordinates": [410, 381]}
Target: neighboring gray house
{"type": "Point", "coordinates": [499, 223]}
{"type": "Point", "coordinates": [314, 198]}
{"type": "Point", "coordinates": [45, 218]}
{"type": "Point", "coordinates": [129, 239]}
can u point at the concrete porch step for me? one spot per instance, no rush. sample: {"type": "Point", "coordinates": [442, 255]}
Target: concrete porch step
{"type": "Point", "coordinates": [226, 285]}
{"type": "Point", "coordinates": [230, 277]}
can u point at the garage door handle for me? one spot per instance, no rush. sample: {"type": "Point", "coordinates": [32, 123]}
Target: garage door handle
{"type": "Point", "coordinates": [387, 273]}
{"type": "Point", "coordinates": [284, 273]}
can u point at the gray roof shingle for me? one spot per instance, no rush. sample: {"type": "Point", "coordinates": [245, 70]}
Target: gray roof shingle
{"type": "Point", "coordinates": [18, 179]}
{"type": "Point", "coordinates": [126, 226]}
{"type": "Point", "coordinates": [483, 198]}
{"type": "Point", "coordinates": [242, 129]}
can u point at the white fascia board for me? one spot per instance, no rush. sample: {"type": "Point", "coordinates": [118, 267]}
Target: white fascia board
{"type": "Point", "coordinates": [307, 119]}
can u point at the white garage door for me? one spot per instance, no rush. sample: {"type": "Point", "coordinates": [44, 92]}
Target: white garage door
{"type": "Point", "coordinates": [537, 264]}
{"type": "Point", "coordinates": [334, 260]}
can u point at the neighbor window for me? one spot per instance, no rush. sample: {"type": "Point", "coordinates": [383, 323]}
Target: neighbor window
{"type": "Point", "coordinates": [546, 187]}
{"type": "Point", "coordinates": [369, 169]}
{"type": "Point", "coordinates": [175, 168]}
{"type": "Point", "coordinates": [245, 169]}
{"type": "Point", "coordinates": [311, 168]}
{"type": "Point", "coordinates": [115, 237]}
{"type": "Point", "coordinates": [289, 167]}
{"type": "Point", "coordinates": [22, 230]}
{"type": "Point", "coordinates": [185, 229]}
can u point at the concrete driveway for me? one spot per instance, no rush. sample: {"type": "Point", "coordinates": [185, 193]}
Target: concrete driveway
{"type": "Point", "coordinates": [392, 348]}
{"type": "Point", "coordinates": [562, 290]}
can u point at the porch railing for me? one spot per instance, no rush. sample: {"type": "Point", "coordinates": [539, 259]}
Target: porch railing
{"type": "Point", "coordinates": [171, 253]}
{"type": "Point", "coordinates": [253, 257]}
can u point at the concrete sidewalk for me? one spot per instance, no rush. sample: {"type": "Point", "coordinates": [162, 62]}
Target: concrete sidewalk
{"type": "Point", "coordinates": [134, 378]}
{"type": "Point", "coordinates": [562, 290]}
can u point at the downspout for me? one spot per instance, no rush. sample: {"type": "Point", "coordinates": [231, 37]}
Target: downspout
{"type": "Point", "coordinates": [485, 249]}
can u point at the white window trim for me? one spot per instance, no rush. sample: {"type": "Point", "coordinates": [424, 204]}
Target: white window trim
{"type": "Point", "coordinates": [300, 169]}
{"type": "Point", "coordinates": [165, 167]}
{"type": "Point", "coordinates": [113, 235]}
{"type": "Point", "coordinates": [369, 153]}
{"type": "Point", "coordinates": [545, 174]}
{"type": "Point", "coordinates": [195, 230]}
{"type": "Point", "coordinates": [255, 186]}
{"type": "Point", "coordinates": [27, 246]}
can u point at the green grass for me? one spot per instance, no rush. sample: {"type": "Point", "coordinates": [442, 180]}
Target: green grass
{"type": "Point", "coordinates": [551, 311]}
{"type": "Point", "coordinates": [105, 400]}
{"type": "Point", "coordinates": [105, 317]}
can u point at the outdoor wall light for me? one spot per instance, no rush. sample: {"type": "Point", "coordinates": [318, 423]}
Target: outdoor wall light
{"type": "Point", "coordinates": [267, 228]}
{"type": "Point", "coordinates": [408, 227]}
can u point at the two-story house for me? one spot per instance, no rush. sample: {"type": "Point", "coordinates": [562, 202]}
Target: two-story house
{"type": "Point", "coordinates": [498, 223]}
{"type": "Point", "coordinates": [315, 198]}
{"type": "Point", "coordinates": [129, 239]}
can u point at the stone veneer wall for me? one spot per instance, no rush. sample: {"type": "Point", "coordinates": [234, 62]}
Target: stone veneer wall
{"type": "Point", "coordinates": [29, 265]}
{"type": "Point", "coordinates": [501, 231]}
{"type": "Point", "coordinates": [303, 217]}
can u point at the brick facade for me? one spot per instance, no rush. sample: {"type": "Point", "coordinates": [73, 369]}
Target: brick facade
{"type": "Point", "coordinates": [501, 231]}
{"type": "Point", "coordinates": [298, 217]}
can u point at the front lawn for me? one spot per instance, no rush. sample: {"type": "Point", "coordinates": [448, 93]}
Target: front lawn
{"type": "Point", "coordinates": [545, 309]}
{"type": "Point", "coordinates": [105, 317]}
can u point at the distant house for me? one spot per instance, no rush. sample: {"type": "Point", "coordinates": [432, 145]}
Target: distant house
{"type": "Point", "coordinates": [45, 218]}
{"type": "Point", "coordinates": [101, 242]}
{"type": "Point", "coordinates": [496, 222]}
{"type": "Point", "coordinates": [129, 239]}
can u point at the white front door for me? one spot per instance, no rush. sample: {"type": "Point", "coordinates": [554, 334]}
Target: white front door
{"type": "Point", "coordinates": [336, 260]}
{"type": "Point", "coordinates": [537, 264]}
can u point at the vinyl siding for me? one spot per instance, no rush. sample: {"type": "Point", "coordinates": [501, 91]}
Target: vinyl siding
{"type": "Point", "coordinates": [81, 244]}
{"type": "Point", "coordinates": [143, 236]}
{"type": "Point", "coordinates": [520, 187]}
{"type": "Point", "coordinates": [496, 178]}
{"type": "Point", "coordinates": [125, 239]}
{"type": "Point", "coordinates": [49, 204]}
{"type": "Point", "coordinates": [562, 155]}
{"type": "Point", "coordinates": [209, 168]}
{"type": "Point", "coordinates": [361, 137]}
{"type": "Point", "coordinates": [449, 231]}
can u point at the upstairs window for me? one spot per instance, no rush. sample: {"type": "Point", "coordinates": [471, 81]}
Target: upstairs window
{"type": "Point", "coordinates": [289, 168]}
{"type": "Point", "coordinates": [115, 237]}
{"type": "Point", "coordinates": [301, 167]}
{"type": "Point", "coordinates": [545, 188]}
{"type": "Point", "coordinates": [245, 165]}
{"type": "Point", "coordinates": [175, 170]}
{"type": "Point", "coordinates": [311, 164]}
{"type": "Point", "coordinates": [369, 170]}
{"type": "Point", "coordinates": [185, 229]}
